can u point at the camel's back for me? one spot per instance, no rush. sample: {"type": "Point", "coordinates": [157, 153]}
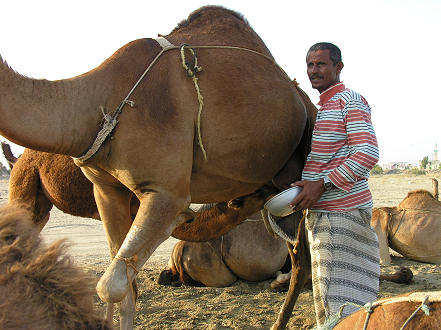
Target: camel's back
{"type": "Point", "coordinates": [213, 25]}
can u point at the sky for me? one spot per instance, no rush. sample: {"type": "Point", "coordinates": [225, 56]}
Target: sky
{"type": "Point", "coordinates": [390, 49]}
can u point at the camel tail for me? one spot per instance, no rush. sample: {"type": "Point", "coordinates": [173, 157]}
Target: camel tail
{"type": "Point", "coordinates": [7, 152]}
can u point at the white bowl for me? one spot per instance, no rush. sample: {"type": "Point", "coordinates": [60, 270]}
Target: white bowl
{"type": "Point", "coordinates": [279, 204]}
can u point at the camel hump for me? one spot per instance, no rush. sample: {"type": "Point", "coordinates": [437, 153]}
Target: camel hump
{"type": "Point", "coordinates": [420, 199]}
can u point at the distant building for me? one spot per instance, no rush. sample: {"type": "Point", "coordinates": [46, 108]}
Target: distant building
{"type": "Point", "coordinates": [395, 166]}
{"type": "Point", "coordinates": [435, 163]}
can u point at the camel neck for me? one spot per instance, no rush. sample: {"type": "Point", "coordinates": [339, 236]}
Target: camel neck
{"type": "Point", "coordinates": [39, 114]}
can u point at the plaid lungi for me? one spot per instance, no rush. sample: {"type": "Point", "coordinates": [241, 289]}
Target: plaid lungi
{"type": "Point", "coordinates": [345, 261]}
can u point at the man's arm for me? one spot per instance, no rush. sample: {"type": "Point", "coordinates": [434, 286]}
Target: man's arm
{"type": "Point", "coordinates": [363, 146]}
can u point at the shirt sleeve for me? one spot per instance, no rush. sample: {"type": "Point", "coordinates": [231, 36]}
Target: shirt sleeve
{"type": "Point", "coordinates": [362, 143]}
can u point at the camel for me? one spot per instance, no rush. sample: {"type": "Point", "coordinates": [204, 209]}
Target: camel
{"type": "Point", "coordinates": [414, 310]}
{"type": "Point", "coordinates": [411, 228]}
{"type": "Point", "coordinates": [149, 122]}
{"type": "Point", "coordinates": [247, 252]}
{"type": "Point", "coordinates": [40, 180]}
{"type": "Point", "coordinates": [40, 287]}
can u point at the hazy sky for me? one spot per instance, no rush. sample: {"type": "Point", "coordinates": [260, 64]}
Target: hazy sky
{"type": "Point", "coordinates": [390, 49]}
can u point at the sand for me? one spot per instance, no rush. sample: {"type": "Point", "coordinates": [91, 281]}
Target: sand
{"type": "Point", "coordinates": [245, 305]}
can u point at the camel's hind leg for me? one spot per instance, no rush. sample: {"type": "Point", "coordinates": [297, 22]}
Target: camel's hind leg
{"type": "Point", "coordinates": [116, 231]}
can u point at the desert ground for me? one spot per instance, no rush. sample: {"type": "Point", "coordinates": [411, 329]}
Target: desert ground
{"type": "Point", "coordinates": [245, 305]}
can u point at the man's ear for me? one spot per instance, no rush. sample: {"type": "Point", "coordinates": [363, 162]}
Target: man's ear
{"type": "Point", "coordinates": [339, 66]}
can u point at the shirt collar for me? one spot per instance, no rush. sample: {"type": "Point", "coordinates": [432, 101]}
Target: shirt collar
{"type": "Point", "coordinates": [330, 92]}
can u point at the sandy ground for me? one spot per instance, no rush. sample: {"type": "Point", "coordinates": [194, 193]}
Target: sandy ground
{"type": "Point", "coordinates": [245, 305]}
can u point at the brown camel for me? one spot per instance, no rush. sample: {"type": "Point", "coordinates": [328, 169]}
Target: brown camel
{"type": "Point", "coordinates": [40, 180]}
{"type": "Point", "coordinates": [182, 136]}
{"type": "Point", "coordinates": [415, 310]}
{"type": "Point", "coordinates": [246, 252]}
{"type": "Point", "coordinates": [412, 228]}
{"type": "Point", "coordinates": [40, 288]}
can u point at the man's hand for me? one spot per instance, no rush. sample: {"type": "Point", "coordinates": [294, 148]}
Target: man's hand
{"type": "Point", "coordinates": [311, 193]}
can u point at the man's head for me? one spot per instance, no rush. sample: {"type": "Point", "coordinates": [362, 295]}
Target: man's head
{"type": "Point", "coordinates": [324, 65]}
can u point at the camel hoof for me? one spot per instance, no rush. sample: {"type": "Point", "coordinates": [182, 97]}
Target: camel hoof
{"type": "Point", "coordinates": [166, 277]}
{"type": "Point", "coordinates": [405, 275]}
{"type": "Point", "coordinates": [113, 285]}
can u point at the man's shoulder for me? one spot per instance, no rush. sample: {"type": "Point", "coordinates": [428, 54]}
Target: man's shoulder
{"type": "Point", "coordinates": [349, 96]}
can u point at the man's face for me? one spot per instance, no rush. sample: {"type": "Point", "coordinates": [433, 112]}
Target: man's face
{"type": "Point", "coordinates": [321, 70]}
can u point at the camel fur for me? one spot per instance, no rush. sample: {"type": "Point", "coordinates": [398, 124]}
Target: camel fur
{"type": "Point", "coordinates": [411, 228]}
{"type": "Point", "coordinates": [253, 122]}
{"type": "Point", "coordinates": [393, 313]}
{"type": "Point", "coordinates": [40, 287]}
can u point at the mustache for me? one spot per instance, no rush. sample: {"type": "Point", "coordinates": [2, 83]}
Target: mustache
{"type": "Point", "coordinates": [315, 76]}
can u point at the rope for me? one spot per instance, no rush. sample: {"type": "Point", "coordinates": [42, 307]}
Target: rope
{"type": "Point", "coordinates": [110, 121]}
{"type": "Point", "coordinates": [424, 211]}
{"type": "Point", "coordinates": [391, 223]}
{"type": "Point", "coordinates": [129, 262]}
{"type": "Point", "coordinates": [369, 308]}
{"type": "Point", "coordinates": [191, 72]}
{"type": "Point", "coordinates": [335, 318]}
{"type": "Point", "coordinates": [423, 307]}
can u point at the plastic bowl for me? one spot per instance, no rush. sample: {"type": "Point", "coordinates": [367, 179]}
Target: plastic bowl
{"type": "Point", "coordinates": [279, 204]}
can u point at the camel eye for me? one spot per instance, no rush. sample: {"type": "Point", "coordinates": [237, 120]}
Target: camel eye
{"type": "Point", "coordinates": [9, 239]}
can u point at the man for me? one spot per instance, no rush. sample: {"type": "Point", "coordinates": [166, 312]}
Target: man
{"type": "Point", "coordinates": [344, 247]}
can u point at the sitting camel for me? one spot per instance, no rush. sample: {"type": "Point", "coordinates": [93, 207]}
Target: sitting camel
{"type": "Point", "coordinates": [246, 252]}
{"type": "Point", "coordinates": [412, 228]}
{"type": "Point", "coordinates": [416, 310]}
{"type": "Point", "coordinates": [40, 288]}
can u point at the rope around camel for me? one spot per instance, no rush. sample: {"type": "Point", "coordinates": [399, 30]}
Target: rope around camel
{"type": "Point", "coordinates": [111, 120]}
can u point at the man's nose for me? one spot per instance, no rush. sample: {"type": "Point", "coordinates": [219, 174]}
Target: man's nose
{"type": "Point", "coordinates": [314, 68]}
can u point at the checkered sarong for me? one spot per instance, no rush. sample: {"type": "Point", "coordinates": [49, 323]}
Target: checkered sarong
{"type": "Point", "coordinates": [345, 261]}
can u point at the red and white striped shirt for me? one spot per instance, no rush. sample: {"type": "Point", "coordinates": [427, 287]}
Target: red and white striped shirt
{"type": "Point", "coordinates": [344, 148]}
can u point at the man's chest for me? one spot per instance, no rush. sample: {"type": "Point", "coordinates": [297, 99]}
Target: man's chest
{"type": "Point", "coordinates": [330, 125]}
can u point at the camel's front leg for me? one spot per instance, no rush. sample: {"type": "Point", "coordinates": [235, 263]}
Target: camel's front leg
{"type": "Point", "coordinates": [114, 207]}
{"type": "Point", "coordinates": [154, 223]}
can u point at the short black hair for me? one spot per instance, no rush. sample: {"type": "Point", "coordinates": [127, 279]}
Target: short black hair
{"type": "Point", "coordinates": [334, 51]}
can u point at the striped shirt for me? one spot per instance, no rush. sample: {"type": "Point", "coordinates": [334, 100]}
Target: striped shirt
{"type": "Point", "coordinates": [344, 148]}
